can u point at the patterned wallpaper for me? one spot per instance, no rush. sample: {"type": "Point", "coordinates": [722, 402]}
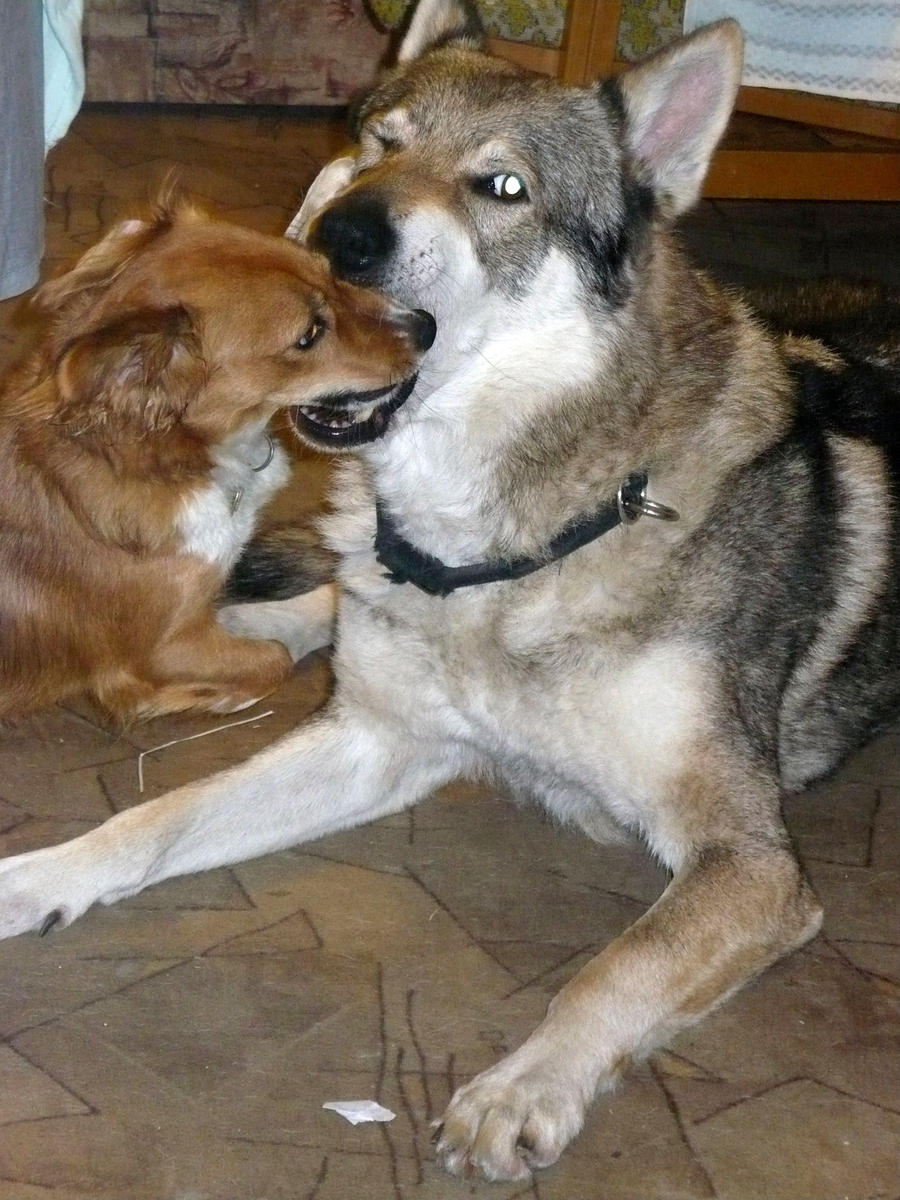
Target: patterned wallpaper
{"type": "Point", "coordinates": [645, 25]}
{"type": "Point", "coordinates": [537, 21]}
{"type": "Point", "coordinates": [230, 51]}
{"type": "Point", "coordinates": [298, 52]}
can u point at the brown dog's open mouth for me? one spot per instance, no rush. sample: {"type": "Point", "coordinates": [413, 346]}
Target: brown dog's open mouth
{"type": "Point", "coordinates": [350, 418]}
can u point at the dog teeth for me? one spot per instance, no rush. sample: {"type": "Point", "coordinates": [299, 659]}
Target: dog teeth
{"type": "Point", "coordinates": [342, 418]}
{"type": "Point", "coordinates": [334, 418]}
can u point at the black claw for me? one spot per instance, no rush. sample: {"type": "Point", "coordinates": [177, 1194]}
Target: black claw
{"type": "Point", "coordinates": [51, 919]}
{"type": "Point", "coordinates": [437, 1132]}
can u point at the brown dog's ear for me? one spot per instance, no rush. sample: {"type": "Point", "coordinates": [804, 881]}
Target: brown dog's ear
{"type": "Point", "coordinates": [438, 23]}
{"type": "Point", "coordinates": [72, 292]}
{"type": "Point", "coordinates": [98, 266]}
{"type": "Point", "coordinates": [131, 376]}
{"type": "Point", "coordinates": [678, 103]}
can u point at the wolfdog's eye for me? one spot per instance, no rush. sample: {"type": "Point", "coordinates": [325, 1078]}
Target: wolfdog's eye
{"type": "Point", "coordinates": [312, 335]}
{"type": "Point", "coordinates": [505, 187]}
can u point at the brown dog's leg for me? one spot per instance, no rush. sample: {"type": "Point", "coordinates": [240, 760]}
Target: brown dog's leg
{"type": "Point", "coordinates": [281, 562]}
{"type": "Point", "coordinates": [203, 667]}
{"type": "Point", "coordinates": [734, 906]}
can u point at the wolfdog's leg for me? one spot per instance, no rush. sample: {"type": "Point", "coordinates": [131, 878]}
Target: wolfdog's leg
{"type": "Point", "coordinates": [734, 907]}
{"type": "Point", "coordinates": [340, 769]}
{"type": "Point", "coordinates": [302, 624]}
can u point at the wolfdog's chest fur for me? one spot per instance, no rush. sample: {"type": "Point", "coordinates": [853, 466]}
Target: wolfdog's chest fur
{"type": "Point", "coordinates": [771, 608]}
{"type": "Point", "coordinates": [552, 683]}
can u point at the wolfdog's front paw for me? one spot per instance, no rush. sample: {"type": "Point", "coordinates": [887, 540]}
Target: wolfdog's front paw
{"type": "Point", "coordinates": [38, 892]}
{"type": "Point", "coordinates": [510, 1121]}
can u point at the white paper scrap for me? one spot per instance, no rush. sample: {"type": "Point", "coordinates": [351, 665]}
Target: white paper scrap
{"type": "Point", "coordinates": [358, 1111]}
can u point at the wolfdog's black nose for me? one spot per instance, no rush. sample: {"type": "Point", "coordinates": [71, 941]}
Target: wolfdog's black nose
{"type": "Point", "coordinates": [422, 329]}
{"type": "Point", "coordinates": [355, 234]}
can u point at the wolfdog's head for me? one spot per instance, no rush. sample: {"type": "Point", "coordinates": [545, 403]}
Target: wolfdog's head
{"type": "Point", "coordinates": [507, 204]}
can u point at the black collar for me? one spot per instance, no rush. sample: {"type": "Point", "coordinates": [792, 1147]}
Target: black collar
{"type": "Point", "coordinates": [406, 564]}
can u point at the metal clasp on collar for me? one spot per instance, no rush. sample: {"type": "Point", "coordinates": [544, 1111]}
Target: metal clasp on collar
{"type": "Point", "coordinates": [270, 454]}
{"type": "Point", "coordinates": [238, 494]}
{"type": "Point", "coordinates": [633, 503]}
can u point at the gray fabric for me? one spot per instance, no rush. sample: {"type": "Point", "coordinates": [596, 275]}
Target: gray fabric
{"type": "Point", "coordinates": [21, 145]}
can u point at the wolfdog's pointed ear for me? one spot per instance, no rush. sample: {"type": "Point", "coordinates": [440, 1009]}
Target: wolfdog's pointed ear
{"type": "Point", "coordinates": [678, 103]}
{"type": "Point", "coordinates": [438, 22]}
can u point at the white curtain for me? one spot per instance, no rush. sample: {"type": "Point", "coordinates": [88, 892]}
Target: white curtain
{"type": "Point", "coordinates": [832, 47]}
{"type": "Point", "coordinates": [63, 66]}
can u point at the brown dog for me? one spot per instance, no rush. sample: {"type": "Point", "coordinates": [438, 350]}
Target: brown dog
{"type": "Point", "coordinates": [134, 456]}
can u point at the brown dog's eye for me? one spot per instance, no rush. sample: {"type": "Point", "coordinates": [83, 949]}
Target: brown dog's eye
{"type": "Point", "coordinates": [312, 335]}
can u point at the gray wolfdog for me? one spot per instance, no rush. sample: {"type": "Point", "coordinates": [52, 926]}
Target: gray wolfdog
{"type": "Point", "coordinates": [516, 600]}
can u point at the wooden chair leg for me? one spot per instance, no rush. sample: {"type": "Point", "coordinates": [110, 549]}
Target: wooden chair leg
{"type": "Point", "coordinates": [589, 44]}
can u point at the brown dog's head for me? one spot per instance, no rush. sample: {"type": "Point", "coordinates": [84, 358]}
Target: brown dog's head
{"type": "Point", "coordinates": [186, 320]}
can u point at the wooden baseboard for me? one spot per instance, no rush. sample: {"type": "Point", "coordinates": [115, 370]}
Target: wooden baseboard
{"type": "Point", "coordinates": [803, 175]}
{"type": "Point", "coordinates": [829, 112]}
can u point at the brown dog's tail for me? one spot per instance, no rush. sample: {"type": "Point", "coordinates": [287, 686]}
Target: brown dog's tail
{"type": "Point", "coordinates": [281, 562]}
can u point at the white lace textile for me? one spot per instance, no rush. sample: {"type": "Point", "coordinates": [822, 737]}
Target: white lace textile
{"type": "Point", "coordinates": [832, 47]}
